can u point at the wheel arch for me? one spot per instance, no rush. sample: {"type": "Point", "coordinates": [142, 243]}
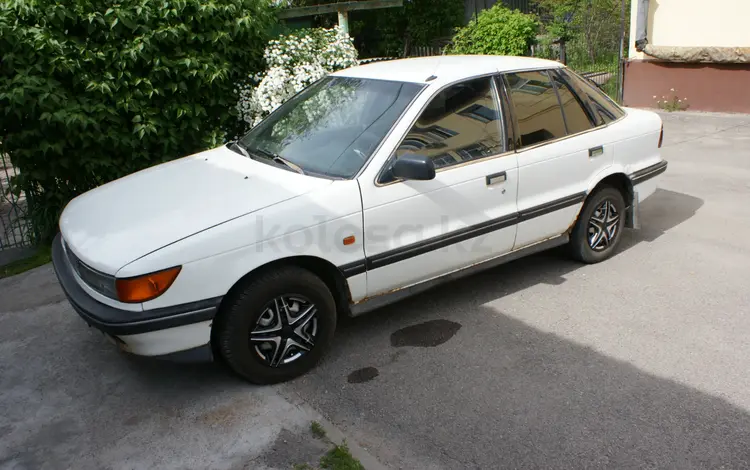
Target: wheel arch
{"type": "Point", "coordinates": [622, 182]}
{"type": "Point", "coordinates": [332, 277]}
{"type": "Point", "coordinates": [619, 181]}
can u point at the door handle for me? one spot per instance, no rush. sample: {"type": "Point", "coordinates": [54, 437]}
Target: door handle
{"type": "Point", "coordinates": [496, 178]}
{"type": "Point", "coordinates": [596, 151]}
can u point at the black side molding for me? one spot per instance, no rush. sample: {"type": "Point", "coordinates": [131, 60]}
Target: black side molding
{"type": "Point", "coordinates": [467, 233]}
{"type": "Point", "coordinates": [649, 172]}
{"type": "Point", "coordinates": [553, 206]}
{"type": "Point", "coordinates": [352, 269]}
{"type": "Point", "coordinates": [416, 249]}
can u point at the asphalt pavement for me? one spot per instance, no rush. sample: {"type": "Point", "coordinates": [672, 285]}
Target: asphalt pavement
{"type": "Point", "coordinates": [637, 362]}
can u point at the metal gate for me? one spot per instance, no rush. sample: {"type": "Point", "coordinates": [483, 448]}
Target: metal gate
{"type": "Point", "coordinates": [15, 228]}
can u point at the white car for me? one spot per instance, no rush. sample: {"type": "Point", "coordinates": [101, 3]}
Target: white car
{"type": "Point", "coordinates": [373, 184]}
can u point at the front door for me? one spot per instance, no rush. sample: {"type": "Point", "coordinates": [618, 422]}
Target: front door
{"type": "Point", "coordinates": [418, 230]}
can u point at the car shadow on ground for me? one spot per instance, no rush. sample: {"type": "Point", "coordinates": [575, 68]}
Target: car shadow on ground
{"type": "Point", "coordinates": [530, 399]}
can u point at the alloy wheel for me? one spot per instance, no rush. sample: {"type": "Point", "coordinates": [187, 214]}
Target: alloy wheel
{"type": "Point", "coordinates": [285, 331]}
{"type": "Point", "coordinates": [604, 225]}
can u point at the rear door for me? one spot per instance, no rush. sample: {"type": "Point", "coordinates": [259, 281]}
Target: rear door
{"type": "Point", "coordinates": [559, 151]}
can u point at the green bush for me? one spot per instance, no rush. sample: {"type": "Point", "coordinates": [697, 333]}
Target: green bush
{"type": "Point", "coordinates": [497, 31]}
{"type": "Point", "coordinates": [91, 90]}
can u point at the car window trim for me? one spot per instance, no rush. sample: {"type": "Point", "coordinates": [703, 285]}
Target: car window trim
{"type": "Point", "coordinates": [390, 159]}
{"type": "Point", "coordinates": [559, 100]}
{"type": "Point", "coordinates": [512, 133]}
{"type": "Point", "coordinates": [390, 131]}
{"type": "Point", "coordinates": [501, 127]}
{"type": "Point", "coordinates": [556, 74]}
{"type": "Point", "coordinates": [581, 97]}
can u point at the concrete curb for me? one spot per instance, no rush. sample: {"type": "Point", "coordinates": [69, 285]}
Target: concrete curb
{"type": "Point", "coordinates": [334, 434]}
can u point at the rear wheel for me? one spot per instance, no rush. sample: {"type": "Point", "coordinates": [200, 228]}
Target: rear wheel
{"type": "Point", "coordinates": [277, 326]}
{"type": "Point", "coordinates": [599, 227]}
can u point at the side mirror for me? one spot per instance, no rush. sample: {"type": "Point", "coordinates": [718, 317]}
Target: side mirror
{"type": "Point", "coordinates": [413, 167]}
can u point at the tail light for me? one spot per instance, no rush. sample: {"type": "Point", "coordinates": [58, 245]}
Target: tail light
{"type": "Point", "coordinates": [661, 135]}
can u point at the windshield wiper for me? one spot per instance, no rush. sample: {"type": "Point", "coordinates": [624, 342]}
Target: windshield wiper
{"type": "Point", "coordinates": [281, 160]}
{"type": "Point", "coordinates": [236, 145]}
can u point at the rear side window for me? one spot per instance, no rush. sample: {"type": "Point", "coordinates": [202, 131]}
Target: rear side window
{"type": "Point", "coordinates": [577, 117]}
{"type": "Point", "coordinates": [536, 107]}
{"type": "Point", "coordinates": [604, 110]}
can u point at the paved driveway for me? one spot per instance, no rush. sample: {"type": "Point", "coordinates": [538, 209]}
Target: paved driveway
{"type": "Point", "coordinates": [641, 361]}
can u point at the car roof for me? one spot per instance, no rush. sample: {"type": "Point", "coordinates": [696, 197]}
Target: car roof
{"type": "Point", "coordinates": [444, 69]}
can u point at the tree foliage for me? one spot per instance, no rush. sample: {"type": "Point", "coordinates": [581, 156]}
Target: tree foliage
{"type": "Point", "coordinates": [590, 27]}
{"type": "Point", "coordinates": [498, 31]}
{"type": "Point", "coordinates": [91, 90]}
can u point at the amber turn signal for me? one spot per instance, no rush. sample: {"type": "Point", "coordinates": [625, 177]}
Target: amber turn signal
{"type": "Point", "coordinates": [147, 287]}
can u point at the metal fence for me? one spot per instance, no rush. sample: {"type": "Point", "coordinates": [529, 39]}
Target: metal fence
{"type": "Point", "coordinates": [15, 227]}
{"type": "Point", "coordinates": [600, 64]}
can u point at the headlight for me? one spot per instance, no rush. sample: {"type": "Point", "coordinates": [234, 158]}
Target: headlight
{"type": "Point", "coordinates": [146, 287]}
{"type": "Point", "coordinates": [100, 282]}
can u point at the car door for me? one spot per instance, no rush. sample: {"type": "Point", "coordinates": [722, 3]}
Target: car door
{"type": "Point", "coordinates": [559, 151]}
{"type": "Point", "coordinates": [418, 230]}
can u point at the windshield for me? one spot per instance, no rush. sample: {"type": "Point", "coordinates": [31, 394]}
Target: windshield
{"type": "Point", "coordinates": [332, 127]}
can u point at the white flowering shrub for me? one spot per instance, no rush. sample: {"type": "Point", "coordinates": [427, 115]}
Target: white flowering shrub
{"type": "Point", "coordinates": [294, 61]}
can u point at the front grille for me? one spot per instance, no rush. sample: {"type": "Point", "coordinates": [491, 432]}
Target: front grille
{"type": "Point", "coordinates": [100, 282]}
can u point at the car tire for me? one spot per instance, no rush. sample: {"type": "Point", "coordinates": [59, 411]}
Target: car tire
{"type": "Point", "coordinates": [264, 308]}
{"type": "Point", "coordinates": [599, 227]}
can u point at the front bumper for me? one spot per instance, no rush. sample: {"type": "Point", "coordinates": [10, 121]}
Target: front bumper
{"type": "Point", "coordinates": [124, 324]}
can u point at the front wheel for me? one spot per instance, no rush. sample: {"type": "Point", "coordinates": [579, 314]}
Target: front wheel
{"type": "Point", "coordinates": [277, 326]}
{"type": "Point", "coordinates": [599, 227]}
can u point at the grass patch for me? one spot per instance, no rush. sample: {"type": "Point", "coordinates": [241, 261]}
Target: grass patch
{"type": "Point", "coordinates": [42, 256]}
{"type": "Point", "coordinates": [339, 458]}
{"type": "Point", "coordinates": [317, 430]}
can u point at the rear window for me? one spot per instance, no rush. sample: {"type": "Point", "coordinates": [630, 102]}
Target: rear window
{"type": "Point", "coordinates": [603, 109]}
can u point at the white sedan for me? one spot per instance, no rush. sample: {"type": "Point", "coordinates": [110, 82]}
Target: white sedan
{"type": "Point", "coordinates": [375, 183]}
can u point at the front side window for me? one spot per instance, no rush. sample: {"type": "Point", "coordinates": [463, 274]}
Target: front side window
{"type": "Point", "coordinates": [536, 107]}
{"type": "Point", "coordinates": [333, 127]}
{"type": "Point", "coordinates": [462, 123]}
{"type": "Point", "coordinates": [603, 108]}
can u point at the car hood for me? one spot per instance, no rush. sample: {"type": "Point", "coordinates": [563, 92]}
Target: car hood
{"type": "Point", "coordinates": [121, 221]}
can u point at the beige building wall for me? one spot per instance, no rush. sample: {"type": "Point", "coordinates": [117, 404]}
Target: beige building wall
{"type": "Point", "coordinates": [688, 23]}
